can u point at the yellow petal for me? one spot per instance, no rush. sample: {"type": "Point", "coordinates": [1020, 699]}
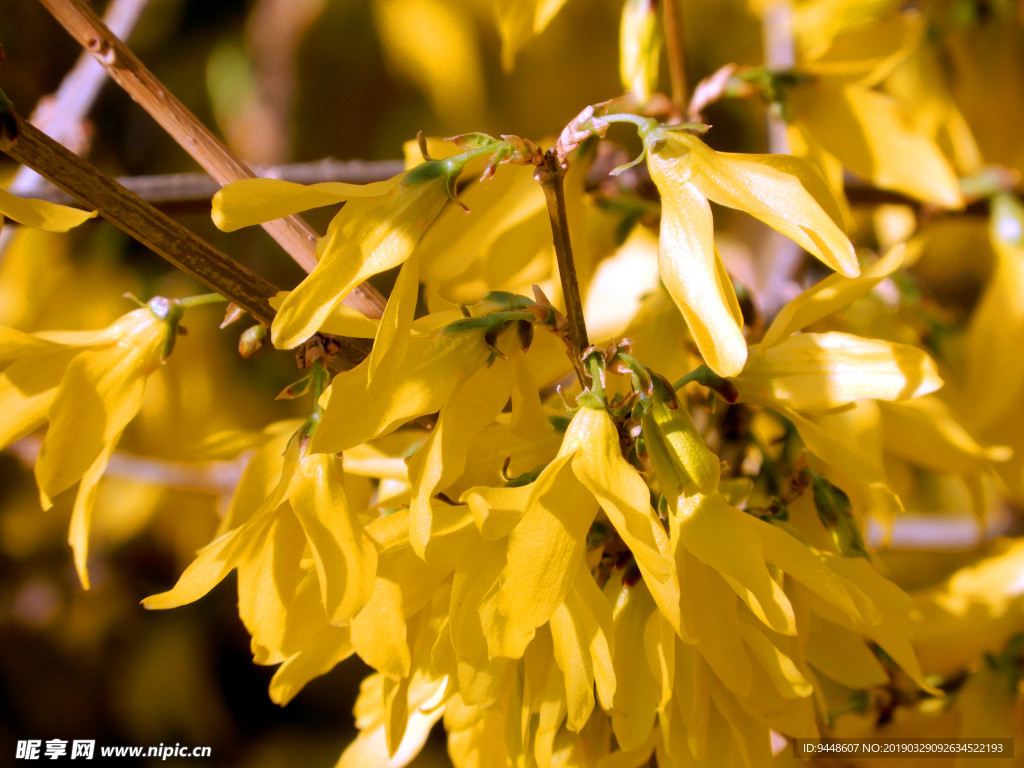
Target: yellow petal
{"type": "Point", "coordinates": [730, 541]}
{"type": "Point", "coordinates": [269, 600]}
{"type": "Point", "coordinates": [355, 413]}
{"type": "Point", "coordinates": [640, 41]}
{"type": "Point", "coordinates": [100, 393]}
{"type": "Point", "coordinates": [924, 432]}
{"type": "Point", "coordinates": [689, 269]}
{"type": "Point", "coordinates": [828, 296]}
{"type": "Point", "coordinates": [868, 132]}
{"type": "Point", "coordinates": [214, 562]}
{"type": "Point", "coordinates": [850, 443]}
{"type": "Point", "coordinates": [343, 554]}
{"type": "Point", "coordinates": [496, 511]}
{"type": "Point", "coordinates": [994, 369]}
{"type": "Point", "coordinates": [544, 553]}
{"type": "Point", "coordinates": [820, 371]}
{"type": "Point", "coordinates": [328, 648]}
{"type": "Point", "coordinates": [818, 22]}
{"type": "Point", "coordinates": [480, 679]}
{"type": "Point", "coordinates": [81, 515]}
{"type": "Point", "coordinates": [786, 193]}
{"type": "Point", "coordinates": [497, 209]}
{"type": "Point", "coordinates": [254, 201]}
{"type": "Point", "coordinates": [518, 21]}
{"type": "Point", "coordinates": [392, 337]}
{"type": "Point", "coordinates": [620, 490]}
{"type": "Point", "coordinates": [473, 405]}
{"type": "Point", "coordinates": [39, 214]}
{"type": "Point", "coordinates": [636, 691]}
{"type": "Point", "coordinates": [370, 746]}
{"type": "Point", "coordinates": [844, 656]}
{"type": "Point", "coordinates": [15, 344]}
{"type": "Point", "coordinates": [27, 390]}
{"type": "Point", "coordinates": [369, 235]}
{"type": "Point", "coordinates": [710, 612]}
{"type": "Point", "coordinates": [582, 633]}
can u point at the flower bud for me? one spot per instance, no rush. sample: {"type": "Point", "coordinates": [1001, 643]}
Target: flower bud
{"type": "Point", "coordinates": [252, 341]}
{"type": "Point", "coordinates": [682, 463]}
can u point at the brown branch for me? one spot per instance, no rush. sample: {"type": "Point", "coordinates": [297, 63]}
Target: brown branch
{"type": "Point", "coordinates": [129, 213]}
{"type": "Point", "coordinates": [551, 176]}
{"type": "Point", "coordinates": [124, 68]}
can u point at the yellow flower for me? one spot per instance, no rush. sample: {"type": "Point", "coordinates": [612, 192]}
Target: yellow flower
{"type": "Point", "coordinates": [88, 385]}
{"type": "Point", "coordinates": [547, 523]}
{"type": "Point", "coordinates": [784, 192]}
{"type": "Point", "coordinates": [826, 384]}
{"type": "Point", "coordinates": [288, 501]}
{"type": "Point", "coordinates": [39, 214]}
{"type": "Point", "coordinates": [377, 229]}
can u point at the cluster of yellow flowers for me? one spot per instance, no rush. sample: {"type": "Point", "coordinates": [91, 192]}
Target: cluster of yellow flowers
{"type": "Point", "coordinates": [655, 549]}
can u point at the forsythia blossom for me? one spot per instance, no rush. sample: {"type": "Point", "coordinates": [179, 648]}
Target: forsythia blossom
{"type": "Point", "coordinates": [87, 385]}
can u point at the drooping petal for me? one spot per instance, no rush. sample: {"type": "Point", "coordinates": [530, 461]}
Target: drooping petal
{"type": "Point", "coordinates": [254, 201]}
{"type": "Point", "coordinates": [635, 702]}
{"type": "Point", "coordinates": [582, 635]}
{"type": "Point", "coordinates": [392, 337]}
{"type": "Point", "coordinates": [213, 563]}
{"type": "Point", "coordinates": [544, 553]}
{"type": "Point", "coordinates": [434, 46]}
{"type": "Point", "coordinates": [689, 269]}
{"type": "Point", "coordinates": [40, 214]}
{"type": "Point", "coordinates": [344, 555]}
{"type": "Point", "coordinates": [820, 371]}
{"type": "Point", "coordinates": [828, 296]}
{"type": "Point", "coordinates": [924, 431]}
{"type": "Point", "coordinates": [355, 413]}
{"type": "Point", "coordinates": [368, 236]}
{"type": "Point", "coordinates": [100, 392]}
{"type": "Point", "coordinates": [473, 405]}
{"type": "Point", "coordinates": [780, 192]}
{"type": "Point", "coordinates": [27, 390]}
{"type": "Point", "coordinates": [729, 541]}
{"type": "Point", "coordinates": [270, 602]}
{"type": "Point", "coordinates": [994, 369]}
{"type": "Point", "coordinates": [621, 492]}
{"type": "Point", "coordinates": [868, 132]}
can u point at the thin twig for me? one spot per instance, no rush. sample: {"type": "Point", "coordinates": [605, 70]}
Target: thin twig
{"type": "Point", "coordinates": [292, 233]}
{"type": "Point", "coordinates": [61, 115]}
{"type": "Point", "coordinates": [142, 221]}
{"type": "Point", "coordinates": [551, 176]}
{"type": "Point", "coordinates": [673, 23]}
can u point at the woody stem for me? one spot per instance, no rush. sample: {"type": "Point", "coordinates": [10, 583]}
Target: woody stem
{"type": "Point", "coordinates": [551, 175]}
{"type": "Point", "coordinates": [153, 229]}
